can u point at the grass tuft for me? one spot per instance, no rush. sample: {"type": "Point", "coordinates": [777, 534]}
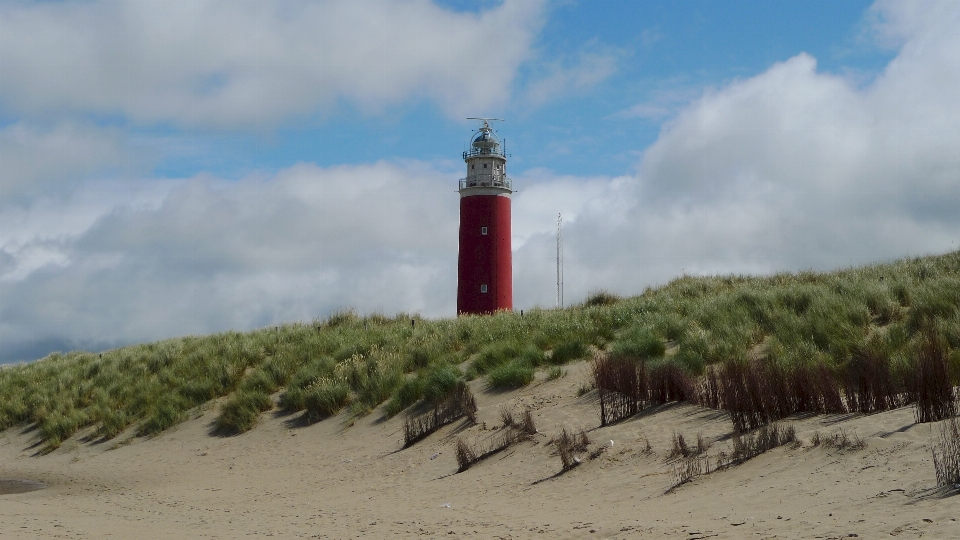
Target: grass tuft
{"type": "Point", "coordinates": [601, 298]}
{"type": "Point", "coordinates": [514, 374]}
{"type": "Point", "coordinates": [468, 456]}
{"type": "Point", "coordinates": [946, 453]}
{"type": "Point", "coordinates": [839, 440]}
{"type": "Point", "coordinates": [457, 404]}
{"type": "Point", "coordinates": [240, 413]}
{"type": "Point", "coordinates": [569, 351]}
{"type": "Point", "coordinates": [325, 397]}
{"type": "Point", "coordinates": [744, 447]}
{"type": "Point", "coordinates": [568, 444]}
{"type": "Point", "coordinates": [506, 416]}
{"type": "Point", "coordinates": [934, 389]}
{"type": "Point", "coordinates": [556, 372]}
{"type": "Point", "coordinates": [640, 343]}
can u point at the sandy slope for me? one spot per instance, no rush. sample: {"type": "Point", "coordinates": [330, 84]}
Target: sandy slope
{"type": "Point", "coordinates": [329, 480]}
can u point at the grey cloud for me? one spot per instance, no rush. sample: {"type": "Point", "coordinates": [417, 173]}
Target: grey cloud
{"type": "Point", "coordinates": [37, 160]}
{"type": "Point", "coordinates": [215, 255]}
{"type": "Point", "coordinates": [254, 64]}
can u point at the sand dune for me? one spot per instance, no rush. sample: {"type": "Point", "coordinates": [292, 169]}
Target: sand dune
{"type": "Point", "coordinates": [334, 480]}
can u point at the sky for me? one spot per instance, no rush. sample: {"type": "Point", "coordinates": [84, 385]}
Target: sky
{"type": "Point", "coordinates": [181, 167]}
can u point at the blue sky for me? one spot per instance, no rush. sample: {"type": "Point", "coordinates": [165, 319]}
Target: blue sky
{"type": "Point", "coordinates": [171, 168]}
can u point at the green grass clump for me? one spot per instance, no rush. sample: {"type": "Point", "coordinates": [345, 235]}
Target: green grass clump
{"type": "Point", "coordinates": [60, 426]}
{"type": "Point", "coordinates": [433, 385]}
{"type": "Point", "coordinates": [163, 414]}
{"type": "Point", "coordinates": [372, 378]}
{"type": "Point", "coordinates": [569, 351]}
{"type": "Point", "coordinates": [556, 372]}
{"type": "Point", "coordinates": [640, 343]}
{"type": "Point", "coordinates": [112, 422]}
{"type": "Point", "coordinates": [601, 298]}
{"type": "Point", "coordinates": [513, 374]}
{"type": "Point", "coordinates": [439, 382]}
{"type": "Point", "coordinates": [240, 413]}
{"type": "Point", "coordinates": [492, 356]}
{"type": "Point", "coordinates": [418, 357]}
{"type": "Point", "coordinates": [294, 396]}
{"type": "Point", "coordinates": [409, 392]}
{"type": "Point", "coordinates": [326, 397]}
{"type": "Point", "coordinates": [496, 355]}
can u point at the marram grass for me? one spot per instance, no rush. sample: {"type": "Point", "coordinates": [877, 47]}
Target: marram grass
{"type": "Point", "coordinates": [832, 320]}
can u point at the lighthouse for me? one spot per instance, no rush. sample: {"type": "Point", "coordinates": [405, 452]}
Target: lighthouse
{"type": "Point", "coordinates": [485, 267]}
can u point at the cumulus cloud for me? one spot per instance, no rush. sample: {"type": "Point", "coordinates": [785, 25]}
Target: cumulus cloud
{"type": "Point", "coordinates": [211, 255]}
{"type": "Point", "coordinates": [213, 63]}
{"type": "Point", "coordinates": [793, 169]}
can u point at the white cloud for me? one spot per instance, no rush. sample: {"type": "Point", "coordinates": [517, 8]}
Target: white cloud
{"type": "Point", "coordinates": [252, 64]}
{"type": "Point", "coordinates": [210, 255]}
{"type": "Point", "coordinates": [793, 169]}
{"type": "Point", "coordinates": [542, 195]}
{"type": "Point", "coordinates": [562, 77]}
{"type": "Point", "coordinates": [594, 212]}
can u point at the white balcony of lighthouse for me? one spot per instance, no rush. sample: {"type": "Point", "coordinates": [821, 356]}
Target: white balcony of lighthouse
{"type": "Point", "coordinates": [487, 180]}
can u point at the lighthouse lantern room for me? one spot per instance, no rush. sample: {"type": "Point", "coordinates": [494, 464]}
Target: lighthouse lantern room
{"type": "Point", "coordinates": [485, 271]}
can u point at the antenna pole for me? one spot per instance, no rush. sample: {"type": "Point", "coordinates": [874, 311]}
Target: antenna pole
{"type": "Point", "coordinates": [559, 261]}
{"type": "Point", "coordinates": [486, 122]}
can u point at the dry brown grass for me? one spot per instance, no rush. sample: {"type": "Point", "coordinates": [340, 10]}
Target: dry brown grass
{"type": "Point", "coordinates": [680, 447]}
{"type": "Point", "coordinates": [946, 453]}
{"type": "Point", "coordinates": [934, 390]}
{"type": "Point", "coordinates": [527, 426]}
{"type": "Point", "coordinates": [744, 447]}
{"type": "Point", "coordinates": [467, 455]}
{"type": "Point", "coordinates": [458, 404]}
{"type": "Point", "coordinates": [839, 440]}
{"type": "Point", "coordinates": [619, 385]}
{"type": "Point", "coordinates": [506, 416]}
{"type": "Point", "coordinates": [568, 444]}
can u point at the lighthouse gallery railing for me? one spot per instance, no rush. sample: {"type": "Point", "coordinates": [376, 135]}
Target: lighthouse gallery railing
{"type": "Point", "coordinates": [486, 180]}
{"type": "Point", "coordinates": [474, 152]}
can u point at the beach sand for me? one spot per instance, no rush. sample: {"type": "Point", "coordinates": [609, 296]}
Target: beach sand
{"type": "Point", "coordinates": [335, 480]}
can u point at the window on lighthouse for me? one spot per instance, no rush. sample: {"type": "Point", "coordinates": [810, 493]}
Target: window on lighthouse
{"type": "Point", "coordinates": [483, 231]}
{"type": "Point", "coordinates": [483, 288]}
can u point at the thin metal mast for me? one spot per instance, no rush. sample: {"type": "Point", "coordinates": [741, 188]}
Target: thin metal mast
{"type": "Point", "coordinates": [559, 261]}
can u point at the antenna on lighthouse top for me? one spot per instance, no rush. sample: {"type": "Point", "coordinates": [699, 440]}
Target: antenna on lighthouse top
{"type": "Point", "coordinates": [486, 122]}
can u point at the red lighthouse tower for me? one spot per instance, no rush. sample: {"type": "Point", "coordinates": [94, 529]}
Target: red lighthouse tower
{"type": "Point", "coordinates": [485, 268]}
